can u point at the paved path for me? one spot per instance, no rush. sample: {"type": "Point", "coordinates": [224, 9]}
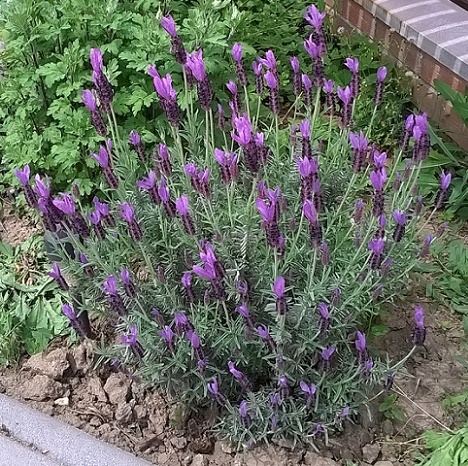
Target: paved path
{"type": "Point", "coordinates": [31, 438]}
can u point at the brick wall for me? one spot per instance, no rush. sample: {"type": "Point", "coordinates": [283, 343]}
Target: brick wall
{"type": "Point", "coordinates": [350, 14]}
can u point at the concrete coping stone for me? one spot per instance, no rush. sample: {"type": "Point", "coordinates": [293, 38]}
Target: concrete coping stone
{"type": "Point", "coordinates": [35, 439]}
{"type": "Point", "coordinates": [437, 27]}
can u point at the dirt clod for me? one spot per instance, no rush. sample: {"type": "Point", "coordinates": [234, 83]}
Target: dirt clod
{"type": "Point", "coordinates": [370, 452]}
{"type": "Point", "coordinates": [52, 364]}
{"type": "Point", "coordinates": [117, 388]}
{"type": "Point", "coordinates": [41, 388]}
{"type": "Point", "coordinates": [313, 459]}
{"type": "Point", "coordinates": [199, 460]}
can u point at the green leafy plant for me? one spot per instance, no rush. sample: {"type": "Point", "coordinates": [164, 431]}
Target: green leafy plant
{"type": "Point", "coordinates": [390, 409]}
{"type": "Point", "coordinates": [45, 59]}
{"type": "Point", "coordinates": [30, 315]}
{"type": "Point", "coordinates": [446, 448]}
{"type": "Point", "coordinates": [448, 280]}
{"type": "Point", "coordinates": [242, 268]}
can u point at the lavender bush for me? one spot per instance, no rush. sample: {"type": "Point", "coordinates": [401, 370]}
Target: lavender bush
{"type": "Point", "coordinates": [240, 261]}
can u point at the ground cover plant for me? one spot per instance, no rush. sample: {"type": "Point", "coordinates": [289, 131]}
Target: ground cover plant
{"type": "Point", "coordinates": [238, 260]}
{"type": "Point", "coordinates": [30, 301]}
{"type": "Point", "coordinates": [45, 64]}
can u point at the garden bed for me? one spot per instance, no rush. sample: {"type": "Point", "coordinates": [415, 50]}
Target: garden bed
{"type": "Point", "coordinates": [113, 407]}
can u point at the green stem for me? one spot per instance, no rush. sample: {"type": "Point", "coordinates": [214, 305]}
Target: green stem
{"type": "Point", "coordinates": [315, 114]}
{"type": "Point", "coordinates": [348, 190]}
{"type": "Point", "coordinates": [247, 102]}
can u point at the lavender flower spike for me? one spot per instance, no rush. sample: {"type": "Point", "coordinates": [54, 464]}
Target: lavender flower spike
{"type": "Point", "coordinates": [127, 212]}
{"type": "Point", "coordinates": [131, 340]}
{"type": "Point", "coordinates": [400, 219]}
{"type": "Point", "coordinates": [213, 388]}
{"type": "Point", "coordinates": [309, 390]}
{"type": "Point", "coordinates": [56, 274]}
{"type": "Point", "coordinates": [381, 75]}
{"type": "Point", "coordinates": [182, 206]}
{"type": "Point", "coordinates": [23, 177]}
{"type": "Point", "coordinates": [376, 246]}
{"type": "Point", "coordinates": [168, 335]}
{"type": "Point", "coordinates": [74, 321]}
{"type": "Point", "coordinates": [240, 71]}
{"type": "Point", "coordinates": [130, 289]}
{"type": "Point", "coordinates": [278, 289]}
{"type": "Point", "coordinates": [419, 332]}
{"type": "Point", "coordinates": [445, 179]}
{"type": "Point", "coordinates": [326, 354]}
{"type": "Point", "coordinates": [360, 343]}
{"type": "Point", "coordinates": [314, 17]}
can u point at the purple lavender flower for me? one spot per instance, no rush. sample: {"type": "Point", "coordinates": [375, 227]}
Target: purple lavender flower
{"type": "Point", "coordinates": [360, 145]}
{"type": "Point", "coordinates": [259, 82]}
{"type": "Point", "coordinates": [325, 254]}
{"type": "Point", "coordinates": [425, 248]}
{"type": "Point", "coordinates": [75, 323]}
{"type": "Point", "coordinates": [346, 97]}
{"type": "Point", "coordinates": [168, 98]}
{"type": "Point", "coordinates": [315, 230]}
{"type": "Point", "coordinates": [445, 179]}
{"type": "Point", "coordinates": [314, 17]}
{"type": "Point", "coordinates": [182, 206]}
{"type": "Point", "coordinates": [182, 323]}
{"type": "Point", "coordinates": [135, 141]}
{"type": "Point", "coordinates": [238, 375]}
{"type": "Point", "coordinates": [309, 390]}
{"type": "Point", "coordinates": [307, 89]}
{"type": "Point", "coordinates": [273, 84]}
{"type": "Point", "coordinates": [239, 64]}
{"type": "Point", "coordinates": [264, 334]}
{"type": "Point", "coordinates": [103, 87]}
{"type": "Point", "coordinates": [353, 65]}
{"type": "Point", "coordinates": [244, 413]}
{"type": "Point", "coordinates": [213, 388]}
{"type": "Point", "coordinates": [23, 177]}
{"type": "Point", "coordinates": [358, 211]}
{"type": "Point", "coordinates": [378, 179]}
{"type": "Point", "coordinates": [297, 83]}
{"type": "Point", "coordinates": [278, 289]}
{"type": "Point", "coordinates": [324, 321]}
{"type": "Point", "coordinates": [168, 336]}
{"type": "Point", "coordinates": [361, 346]}
{"type": "Point", "coordinates": [130, 289]}
{"type": "Point", "coordinates": [168, 24]}
{"type": "Point", "coordinates": [400, 219]}
{"type": "Point", "coordinates": [407, 131]}
{"type": "Point", "coordinates": [88, 269]}
{"type": "Point", "coordinates": [376, 246]}
{"type": "Point", "coordinates": [149, 185]}
{"type": "Point", "coordinates": [330, 98]}
{"type": "Point", "coordinates": [131, 340]}
{"type": "Point", "coordinates": [127, 212]}
{"type": "Point", "coordinates": [89, 100]}
{"type": "Point", "coordinates": [419, 331]}
{"type": "Point", "coordinates": [315, 50]}
{"type": "Point", "coordinates": [379, 88]}
{"type": "Point", "coordinates": [197, 66]}
{"type": "Point", "coordinates": [326, 354]}
{"type": "Point", "coordinates": [379, 159]}
{"type": "Point", "coordinates": [269, 61]}
{"type": "Point", "coordinates": [228, 165]}
{"type": "Point", "coordinates": [56, 274]}
{"type": "Point", "coordinates": [113, 297]}
{"type": "Point", "coordinates": [66, 204]}
{"type": "Point", "coordinates": [103, 160]}
{"type": "Point", "coordinates": [244, 312]}
{"type": "Point", "coordinates": [95, 218]}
